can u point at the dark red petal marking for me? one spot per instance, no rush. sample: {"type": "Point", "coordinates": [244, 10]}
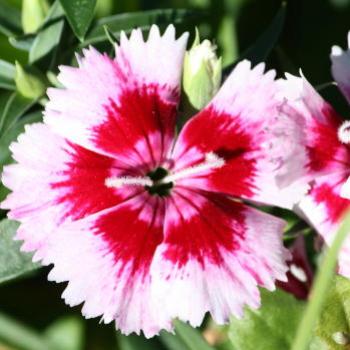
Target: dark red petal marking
{"type": "Point", "coordinates": [200, 226]}
{"type": "Point", "coordinates": [133, 230]}
{"type": "Point", "coordinates": [326, 152]}
{"type": "Point", "coordinates": [223, 134]}
{"type": "Point", "coordinates": [82, 190]}
{"type": "Point", "coordinates": [328, 194]}
{"type": "Point", "coordinates": [141, 117]}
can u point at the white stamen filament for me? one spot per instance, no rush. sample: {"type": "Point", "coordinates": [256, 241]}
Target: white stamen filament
{"type": "Point", "coordinates": [212, 161]}
{"type": "Point", "coordinates": [344, 132]}
{"type": "Point", "coordinates": [118, 182]}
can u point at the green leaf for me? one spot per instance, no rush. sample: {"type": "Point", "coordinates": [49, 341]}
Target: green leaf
{"type": "Point", "coordinates": [10, 20]}
{"type": "Point", "coordinates": [145, 19]}
{"type": "Point", "coordinates": [20, 336]}
{"type": "Point", "coordinates": [267, 41]}
{"type": "Point", "coordinates": [271, 327]}
{"type": "Point", "coordinates": [13, 263]}
{"type": "Point", "coordinates": [7, 74]}
{"type": "Point", "coordinates": [261, 49]}
{"type": "Point", "coordinates": [185, 338]}
{"type": "Point", "coordinates": [22, 42]}
{"type": "Point", "coordinates": [135, 342]}
{"type": "Point", "coordinates": [171, 341]}
{"type": "Point", "coordinates": [79, 14]}
{"type": "Point", "coordinates": [66, 334]}
{"type": "Point", "coordinates": [335, 316]}
{"type": "Point", "coordinates": [15, 107]}
{"type": "Point", "coordinates": [49, 35]}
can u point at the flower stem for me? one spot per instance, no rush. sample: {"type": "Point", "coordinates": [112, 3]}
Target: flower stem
{"type": "Point", "coordinates": [322, 282]}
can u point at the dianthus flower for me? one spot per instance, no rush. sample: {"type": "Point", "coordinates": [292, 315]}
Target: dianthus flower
{"type": "Point", "coordinates": [326, 137]}
{"type": "Point", "coordinates": [144, 228]}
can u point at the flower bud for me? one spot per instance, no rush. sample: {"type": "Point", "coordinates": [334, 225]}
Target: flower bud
{"type": "Point", "coordinates": [30, 84]}
{"type": "Point", "coordinates": [202, 73]}
{"type": "Point", "coordinates": [33, 14]}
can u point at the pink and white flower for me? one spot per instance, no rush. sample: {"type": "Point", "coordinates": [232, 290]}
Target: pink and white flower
{"type": "Point", "coordinates": [144, 228]}
{"type": "Point", "coordinates": [327, 140]}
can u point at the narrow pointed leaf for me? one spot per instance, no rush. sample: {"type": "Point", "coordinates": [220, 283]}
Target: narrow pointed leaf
{"type": "Point", "coordinates": [268, 39]}
{"type": "Point", "coordinates": [49, 35]}
{"type": "Point", "coordinates": [128, 21]}
{"type": "Point", "coordinates": [191, 337]}
{"type": "Point", "coordinates": [7, 74]}
{"type": "Point", "coordinates": [22, 42]}
{"type": "Point", "coordinates": [135, 342]}
{"type": "Point", "coordinates": [261, 49]}
{"type": "Point", "coordinates": [79, 14]}
{"type": "Point", "coordinates": [15, 107]}
{"type": "Point", "coordinates": [10, 20]}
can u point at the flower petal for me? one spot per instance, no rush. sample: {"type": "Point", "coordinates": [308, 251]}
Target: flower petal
{"type": "Point", "coordinates": [106, 260]}
{"type": "Point", "coordinates": [341, 68]}
{"type": "Point", "coordinates": [214, 256]}
{"type": "Point", "coordinates": [328, 163]}
{"type": "Point", "coordinates": [244, 126]}
{"type": "Point", "coordinates": [326, 153]}
{"type": "Point", "coordinates": [324, 207]}
{"type": "Point", "coordinates": [126, 107]}
{"type": "Point", "coordinates": [55, 181]}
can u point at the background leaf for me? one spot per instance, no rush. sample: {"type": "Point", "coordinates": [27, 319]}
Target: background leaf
{"type": "Point", "coordinates": [22, 337]}
{"type": "Point", "coordinates": [272, 327]}
{"type": "Point", "coordinates": [260, 50]}
{"type": "Point", "coordinates": [15, 107]}
{"type": "Point", "coordinates": [190, 336]}
{"type": "Point", "coordinates": [335, 316]}
{"type": "Point", "coordinates": [7, 75]}
{"type": "Point", "coordinates": [65, 334]}
{"type": "Point", "coordinates": [49, 35]}
{"type": "Point", "coordinates": [145, 19]}
{"type": "Point", "coordinates": [135, 342]}
{"type": "Point", "coordinates": [79, 14]}
{"type": "Point", "coordinates": [10, 19]}
{"type": "Point", "coordinates": [13, 263]}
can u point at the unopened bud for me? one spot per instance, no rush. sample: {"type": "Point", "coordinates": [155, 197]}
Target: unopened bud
{"type": "Point", "coordinates": [33, 14]}
{"type": "Point", "coordinates": [202, 73]}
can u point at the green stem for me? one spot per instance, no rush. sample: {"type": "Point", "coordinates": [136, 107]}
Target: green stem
{"type": "Point", "coordinates": [322, 282]}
